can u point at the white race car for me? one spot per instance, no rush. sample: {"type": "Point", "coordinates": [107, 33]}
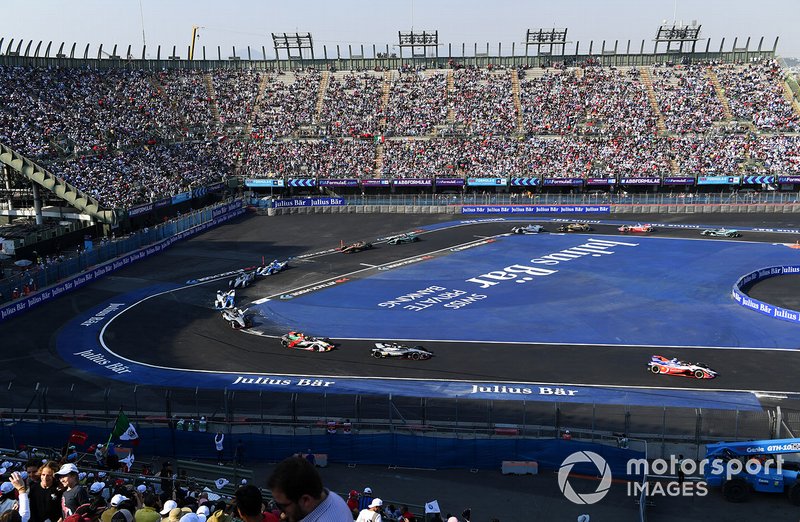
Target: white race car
{"type": "Point", "coordinates": [238, 319]}
{"type": "Point", "coordinates": [225, 300]}
{"type": "Point", "coordinates": [530, 229]}
{"type": "Point", "coordinates": [383, 350]}
{"type": "Point", "coordinates": [243, 280]}
{"type": "Point", "coordinates": [301, 341]}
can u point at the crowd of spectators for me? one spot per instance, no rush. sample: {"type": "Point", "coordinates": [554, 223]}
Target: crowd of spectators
{"type": "Point", "coordinates": [755, 93]}
{"type": "Point", "coordinates": [483, 102]}
{"type": "Point", "coordinates": [351, 106]}
{"type": "Point", "coordinates": [417, 104]}
{"type": "Point", "coordinates": [98, 486]}
{"type": "Point", "coordinates": [125, 136]}
{"type": "Point", "coordinates": [686, 98]}
{"type": "Point", "coordinates": [338, 158]}
{"type": "Point", "coordinates": [289, 101]}
{"type": "Point", "coordinates": [236, 93]}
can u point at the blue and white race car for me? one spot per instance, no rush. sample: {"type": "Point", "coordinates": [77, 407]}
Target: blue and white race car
{"type": "Point", "coordinates": [530, 229]}
{"type": "Point", "coordinates": [272, 268]}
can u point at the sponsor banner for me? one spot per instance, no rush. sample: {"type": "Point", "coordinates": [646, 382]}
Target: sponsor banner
{"type": "Point", "coordinates": [758, 180]}
{"type": "Point", "coordinates": [562, 182]}
{"type": "Point", "coordinates": [718, 180]}
{"type": "Point", "coordinates": [308, 202]}
{"type": "Point", "coordinates": [141, 209]}
{"type": "Point", "coordinates": [180, 198]}
{"type": "Point", "coordinates": [788, 179]}
{"type": "Point", "coordinates": [525, 182]}
{"type": "Point", "coordinates": [216, 187]}
{"type": "Point", "coordinates": [536, 209]}
{"type": "Point", "coordinates": [745, 300]}
{"type": "Point", "coordinates": [487, 182]}
{"type": "Point", "coordinates": [338, 183]}
{"type": "Point", "coordinates": [640, 181]}
{"type": "Point", "coordinates": [374, 182]}
{"type": "Point", "coordinates": [26, 303]}
{"type": "Point", "coordinates": [199, 192]}
{"type": "Point", "coordinates": [449, 182]}
{"type": "Point", "coordinates": [161, 203]}
{"type": "Point", "coordinates": [601, 181]}
{"type": "Point", "coordinates": [678, 181]}
{"type": "Point", "coordinates": [256, 183]}
{"type": "Point", "coordinates": [412, 182]}
{"type": "Point", "coordinates": [302, 182]}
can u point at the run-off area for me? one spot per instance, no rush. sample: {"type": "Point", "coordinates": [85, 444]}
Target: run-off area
{"type": "Point", "coordinates": [553, 289]}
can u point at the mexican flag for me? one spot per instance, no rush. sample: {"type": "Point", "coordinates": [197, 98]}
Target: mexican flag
{"type": "Point", "coordinates": [123, 428]}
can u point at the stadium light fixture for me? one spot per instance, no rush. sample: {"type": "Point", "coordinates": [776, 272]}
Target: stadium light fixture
{"type": "Point", "coordinates": [414, 39]}
{"type": "Point", "coordinates": [550, 37]}
{"type": "Point", "coordinates": [293, 41]}
{"type": "Point", "coordinates": [677, 33]}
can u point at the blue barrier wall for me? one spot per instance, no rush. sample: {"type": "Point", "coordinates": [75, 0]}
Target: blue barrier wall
{"type": "Point", "coordinates": [410, 450]}
{"type": "Point", "coordinates": [761, 307]}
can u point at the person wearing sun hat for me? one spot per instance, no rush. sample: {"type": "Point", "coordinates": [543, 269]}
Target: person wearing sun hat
{"type": "Point", "coordinates": [74, 494]}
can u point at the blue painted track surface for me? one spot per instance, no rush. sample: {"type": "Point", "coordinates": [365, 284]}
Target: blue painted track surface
{"type": "Point", "coordinates": [649, 291]}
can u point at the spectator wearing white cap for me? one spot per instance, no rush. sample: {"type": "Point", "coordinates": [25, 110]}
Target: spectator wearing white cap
{"type": "Point", "coordinates": [365, 500]}
{"type": "Point", "coordinates": [7, 497]}
{"type": "Point", "coordinates": [45, 499]}
{"type": "Point", "coordinates": [203, 512]}
{"type": "Point", "coordinates": [109, 513]}
{"type": "Point", "coordinates": [169, 505]}
{"type": "Point", "coordinates": [298, 492]}
{"type": "Point", "coordinates": [148, 512]}
{"type": "Point", "coordinates": [74, 494]}
{"type": "Point", "coordinates": [372, 513]}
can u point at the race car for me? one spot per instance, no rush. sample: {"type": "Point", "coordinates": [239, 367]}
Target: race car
{"type": "Point", "coordinates": [238, 319]}
{"type": "Point", "coordinates": [530, 229]}
{"type": "Point", "coordinates": [644, 229]}
{"type": "Point", "coordinates": [358, 246]}
{"type": "Point", "coordinates": [720, 232]}
{"type": "Point", "coordinates": [301, 341]}
{"type": "Point", "coordinates": [272, 268]}
{"type": "Point", "coordinates": [575, 227]}
{"type": "Point", "coordinates": [383, 350]}
{"type": "Point", "coordinates": [224, 300]}
{"type": "Point", "coordinates": [243, 280]}
{"type": "Point", "coordinates": [403, 238]}
{"type": "Point", "coordinates": [662, 365]}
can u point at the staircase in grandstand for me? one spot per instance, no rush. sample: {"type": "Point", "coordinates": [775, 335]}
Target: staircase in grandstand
{"type": "Point", "coordinates": [323, 87]}
{"type": "Point", "coordinates": [44, 178]}
{"type": "Point", "coordinates": [647, 81]}
{"type": "Point", "coordinates": [262, 86]}
{"type": "Point", "coordinates": [787, 92]}
{"type": "Point", "coordinates": [726, 108]}
{"type": "Point", "coordinates": [212, 93]}
{"type": "Point", "coordinates": [517, 102]}
{"type": "Point", "coordinates": [451, 87]}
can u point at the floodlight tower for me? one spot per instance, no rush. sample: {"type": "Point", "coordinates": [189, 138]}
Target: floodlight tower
{"type": "Point", "coordinates": [413, 39]}
{"type": "Point", "coordinates": [677, 33]}
{"type": "Point", "coordinates": [551, 37]}
{"type": "Point", "coordinates": [289, 41]}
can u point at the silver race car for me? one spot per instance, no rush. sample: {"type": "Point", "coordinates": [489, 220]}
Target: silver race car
{"type": "Point", "coordinates": [530, 229]}
{"type": "Point", "coordinates": [720, 232]}
{"type": "Point", "coordinates": [237, 318]}
{"type": "Point", "coordinates": [383, 350]}
{"type": "Point", "coordinates": [403, 238]}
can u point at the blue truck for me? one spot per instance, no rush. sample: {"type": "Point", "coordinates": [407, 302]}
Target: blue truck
{"type": "Point", "coordinates": [741, 467]}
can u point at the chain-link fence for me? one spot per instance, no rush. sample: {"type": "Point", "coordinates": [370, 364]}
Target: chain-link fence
{"type": "Point", "coordinates": [299, 414]}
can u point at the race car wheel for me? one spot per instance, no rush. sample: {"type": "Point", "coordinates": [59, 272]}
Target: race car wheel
{"type": "Point", "coordinates": [233, 325]}
{"type": "Point", "coordinates": [794, 494]}
{"type": "Point", "coordinates": [377, 355]}
{"type": "Point", "coordinates": [699, 374]}
{"type": "Point", "coordinates": [655, 369]}
{"type": "Point", "coordinates": [415, 356]}
{"type": "Point", "coordinates": [736, 490]}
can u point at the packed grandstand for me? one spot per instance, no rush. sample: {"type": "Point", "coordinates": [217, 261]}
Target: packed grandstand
{"type": "Point", "coordinates": [129, 136]}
